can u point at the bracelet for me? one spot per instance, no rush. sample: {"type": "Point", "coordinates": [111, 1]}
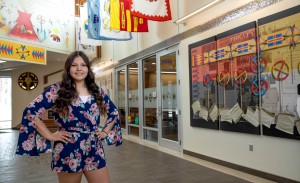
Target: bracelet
{"type": "Point", "coordinates": [105, 132]}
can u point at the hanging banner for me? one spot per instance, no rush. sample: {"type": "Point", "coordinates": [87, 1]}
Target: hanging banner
{"type": "Point", "coordinates": [90, 50]}
{"type": "Point", "coordinates": [22, 52]}
{"type": "Point", "coordinates": [83, 28]}
{"type": "Point", "coordinates": [158, 10]}
{"type": "Point", "coordinates": [99, 22]}
{"type": "Point", "coordinates": [121, 18]}
{"type": "Point", "coordinates": [44, 23]}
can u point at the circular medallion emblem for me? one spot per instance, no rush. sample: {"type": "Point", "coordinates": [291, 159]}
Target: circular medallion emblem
{"type": "Point", "coordinates": [240, 76]}
{"type": "Point", "coordinates": [28, 81]}
{"type": "Point", "coordinates": [280, 70]}
{"type": "Point", "coordinates": [223, 78]}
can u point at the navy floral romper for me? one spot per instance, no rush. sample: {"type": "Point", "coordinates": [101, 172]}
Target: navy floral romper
{"type": "Point", "coordinates": [84, 151]}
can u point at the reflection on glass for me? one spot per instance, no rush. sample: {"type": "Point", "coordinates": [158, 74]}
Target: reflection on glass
{"type": "Point", "coordinates": [169, 94]}
{"type": "Point", "coordinates": [121, 97]}
{"type": "Point", "coordinates": [151, 135]}
{"type": "Point", "coordinates": [150, 96]}
{"type": "Point", "coordinates": [133, 112]}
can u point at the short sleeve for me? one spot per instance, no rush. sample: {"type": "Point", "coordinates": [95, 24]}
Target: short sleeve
{"type": "Point", "coordinates": [30, 142]}
{"type": "Point", "coordinates": [115, 134]}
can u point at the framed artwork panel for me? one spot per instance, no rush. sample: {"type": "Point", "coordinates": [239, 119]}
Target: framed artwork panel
{"type": "Point", "coordinates": [237, 69]}
{"type": "Point", "coordinates": [279, 37]}
{"type": "Point", "coordinates": [203, 94]}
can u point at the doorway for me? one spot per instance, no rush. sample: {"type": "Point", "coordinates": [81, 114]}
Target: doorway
{"type": "Point", "coordinates": [168, 99]}
{"type": "Point", "coordinates": [148, 98]}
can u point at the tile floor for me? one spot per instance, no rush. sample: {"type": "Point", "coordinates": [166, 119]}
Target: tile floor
{"type": "Point", "coordinates": [136, 161]}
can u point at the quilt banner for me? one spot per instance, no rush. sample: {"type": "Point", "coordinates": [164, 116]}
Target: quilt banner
{"type": "Point", "coordinates": [122, 19]}
{"type": "Point", "coordinates": [44, 23]}
{"type": "Point", "coordinates": [90, 50]}
{"type": "Point", "coordinates": [156, 10]}
{"type": "Point", "coordinates": [99, 22]}
{"type": "Point", "coordinates": [22, 52]}
{"type": "Point", "coordinates": [83, 28]}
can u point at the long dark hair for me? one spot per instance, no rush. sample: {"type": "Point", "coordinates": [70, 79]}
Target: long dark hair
{"type": "Point", "coordinates": [67, 92]}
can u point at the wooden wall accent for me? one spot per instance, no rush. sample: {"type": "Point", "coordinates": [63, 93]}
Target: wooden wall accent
{"type": "Point", "coordinates": [78, 3]}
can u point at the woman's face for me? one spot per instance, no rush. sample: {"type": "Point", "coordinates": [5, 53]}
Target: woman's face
{"type": "Point", "coordinates": [78, 69]}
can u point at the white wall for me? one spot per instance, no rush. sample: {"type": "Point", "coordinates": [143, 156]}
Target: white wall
{"type": "Point", "coordinates": [158, 31]}
{"type": "Point", "coordinates": [273, 155]}
{"type": "Point", "coordinates": [20, 97]}
{"type": "Point", "coordinates": [122, 49]}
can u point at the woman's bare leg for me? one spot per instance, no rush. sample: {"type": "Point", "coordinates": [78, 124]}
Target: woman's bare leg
{"type": "Point", "coordinates": [69, 177]}
{"type": "Point", "coordinates": [96, 176]}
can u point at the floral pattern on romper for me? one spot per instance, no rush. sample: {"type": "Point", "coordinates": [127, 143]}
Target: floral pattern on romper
{"type": "Point", "coordinates": [84, 151]}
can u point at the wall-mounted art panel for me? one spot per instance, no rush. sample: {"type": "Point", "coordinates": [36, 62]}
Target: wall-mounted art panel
{"type": "Point", "coordinates": [203, 93]}
{"type": "Point", "coordinates": [44, 23]}
{"type": "Point", "coordinates": [15, 51]}
{"type": "Point", "coordinates": [279, 38]}
{"type": "Point", "coordinates": [237, 71]}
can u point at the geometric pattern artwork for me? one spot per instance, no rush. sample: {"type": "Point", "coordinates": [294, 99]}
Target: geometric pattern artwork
{"type": "Point", "coordinates": [279, 38]}
{"type": "Point", "coordinates": [37, 22]}
{"type": "Point", "coordinates": [235, 50]}
{"type": "Point", "coordinates": [248, 82]}
{"type": "Point", "coordinates": [203, 69]}
{"type": "Point", "coordinates": [12, 51]}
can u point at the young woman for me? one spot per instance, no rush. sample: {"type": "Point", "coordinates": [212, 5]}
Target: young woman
{"type": "Point", "coordinates": [77, 103]}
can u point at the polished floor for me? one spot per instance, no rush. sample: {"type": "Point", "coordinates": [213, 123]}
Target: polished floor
{"type": "Point", "coordinates": [136, 161]}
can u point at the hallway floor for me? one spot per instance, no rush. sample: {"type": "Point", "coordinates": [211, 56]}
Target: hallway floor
{"type": "Point", "coordinates": [135, 161]}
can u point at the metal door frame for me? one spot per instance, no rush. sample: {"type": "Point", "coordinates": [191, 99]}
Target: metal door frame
{"type": "Point", "coordinates": [162, 141]}
{"type": "Point", "coordinates": [124, 131]}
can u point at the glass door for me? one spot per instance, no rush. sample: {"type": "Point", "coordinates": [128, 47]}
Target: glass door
{"type": "Point", "coordinates": [121, 96]}
{"type": "Point", "coordinates": [132, 97]}
{"type": "Point", "coordinates": [168, 105]}
{"type": "Point", "coordinates": [150, 124]}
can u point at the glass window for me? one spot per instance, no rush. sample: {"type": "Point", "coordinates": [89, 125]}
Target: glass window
{"type": "Point", "coordinates": [121, 97]}
{"type": "Point", "coordinates": [133, 107]}
{"type": "Point", "coordinates": [151, 135]}
{"type": "Point", "coordinates": [169, 96]}
{"type": "Point", "coordinates": [150, 99]}
{"type": "Point", "coordinates": [150, 95]}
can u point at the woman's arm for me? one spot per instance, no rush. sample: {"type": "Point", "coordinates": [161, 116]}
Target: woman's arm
{"type": "Point", "coordinates": [56, 136]}
{"type": "Point", "coordinates": [102, 134]}
{"type": "Point", "coordinates": [112, 129]}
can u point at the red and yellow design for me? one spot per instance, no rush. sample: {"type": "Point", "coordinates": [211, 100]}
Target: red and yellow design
{"type": "Point", "coordinates": [122, 19]}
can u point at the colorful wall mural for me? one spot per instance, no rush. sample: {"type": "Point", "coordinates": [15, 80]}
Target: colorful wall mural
{"type": "Point", "coordinates": [279, 37]}
{"type": "Point", "coordinates": [246, 82]}
{"type": "Point", "coordinates": [44, 23]}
